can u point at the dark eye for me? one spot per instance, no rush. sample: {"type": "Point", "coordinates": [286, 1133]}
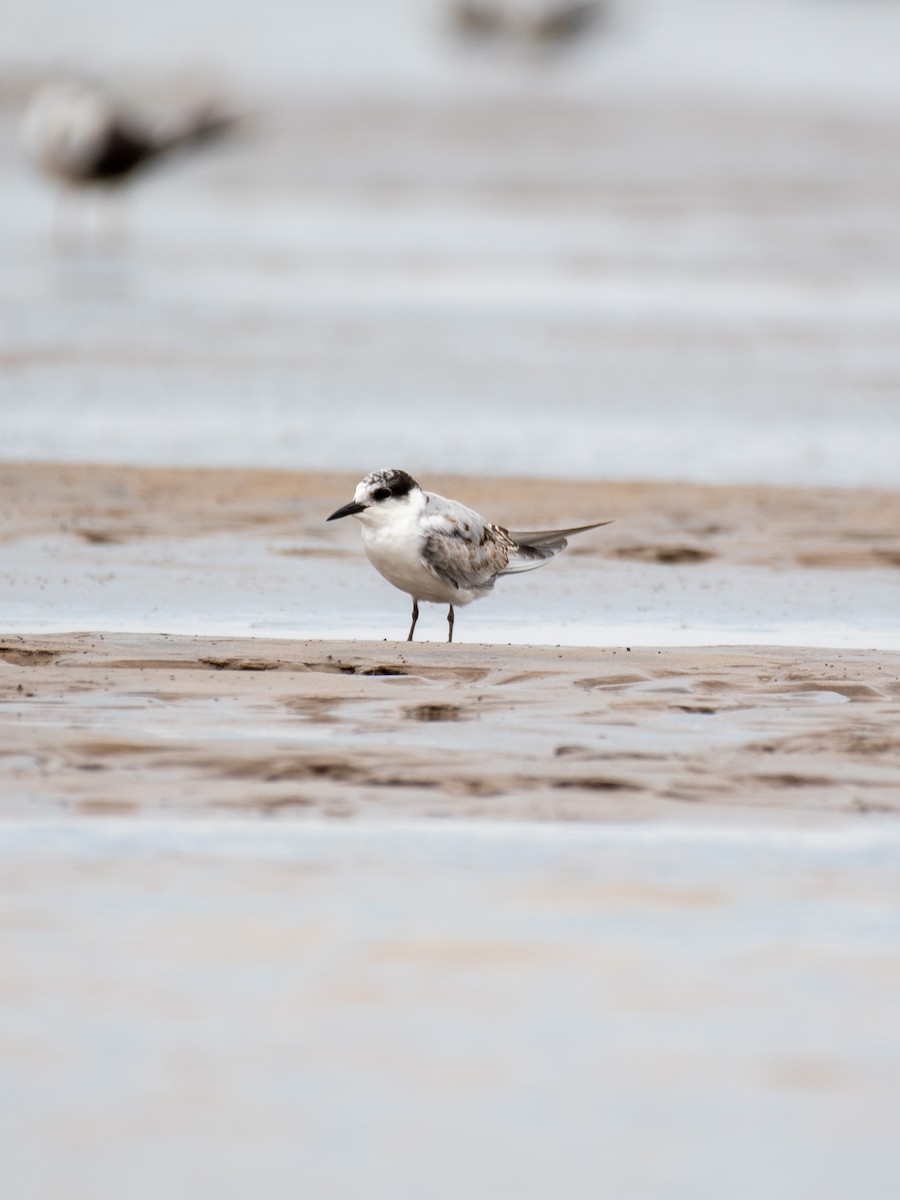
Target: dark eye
{"type": "Point", "coordinates": [381, 493]}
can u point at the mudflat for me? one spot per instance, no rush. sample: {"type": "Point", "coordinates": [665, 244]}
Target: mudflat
{"type": "Point", "coordinates": [656, 522]}
{"type": "Point", "coordinates": [156, 724]}
{"type": "Point", "coordinates": [101, 720]}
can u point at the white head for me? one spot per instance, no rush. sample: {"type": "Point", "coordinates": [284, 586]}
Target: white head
{"type": "Point", "coordinates": [380, 496]}
{"type": "Point", "coordinates": [66, 125]}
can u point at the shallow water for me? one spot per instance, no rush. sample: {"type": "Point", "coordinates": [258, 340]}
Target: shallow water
{"type": "Point", "coordinates": [229, 584]}
{"type": "Point", "coordinates": [524, 363]}
{"type": "Point", "coordinates": [189, 1000]}
{"type": "Point", "coordinates": [447, 261]}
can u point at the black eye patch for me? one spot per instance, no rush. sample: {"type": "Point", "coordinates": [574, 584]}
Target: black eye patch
{"type": "Point", "coordinates": [381, 493]}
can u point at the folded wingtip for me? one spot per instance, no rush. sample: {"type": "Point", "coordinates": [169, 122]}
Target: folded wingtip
{"type": "Point", "coordinates": [535, 537]}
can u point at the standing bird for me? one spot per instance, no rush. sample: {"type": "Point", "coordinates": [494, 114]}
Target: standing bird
{"type": "Point", "coordinates": [438, 550]}
{"type": "Point", "coordinates": [78, 134]}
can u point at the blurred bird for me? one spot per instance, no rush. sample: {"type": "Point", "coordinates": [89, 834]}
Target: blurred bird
{"type": "Point", "coordinates": [537, 21]}
{"type": "Point", "coordinates": [80, 135]}
{"type": "Point", "coordinates": [477, 17]}
{"type": "Point", "coordinates": [438, 550]}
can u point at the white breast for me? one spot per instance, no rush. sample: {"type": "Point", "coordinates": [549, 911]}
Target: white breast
{"type": "Point", "coordinates": [394, 548]}
{"type": "Point", "coordinates": [66, 126]}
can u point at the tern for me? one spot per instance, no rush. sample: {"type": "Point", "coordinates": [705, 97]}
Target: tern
{"type": "Point", "coordinates": [438, 550]}
{"type": "Point", "coordinates": [536, 21]}
{"type": "Point", "coordinates": [79, 134]}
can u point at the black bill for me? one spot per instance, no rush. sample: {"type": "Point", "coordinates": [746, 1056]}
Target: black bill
{"type": "Point", "coordinates": [347, 511]}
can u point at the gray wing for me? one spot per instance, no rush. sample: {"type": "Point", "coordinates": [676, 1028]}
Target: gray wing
{"type": "Point", "coordinates": [534, 547]}
{"type": "Point", "coordinates": [460, 547]}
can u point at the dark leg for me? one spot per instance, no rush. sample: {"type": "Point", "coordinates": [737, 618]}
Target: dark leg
{"type": "Point", "coordinates": [64, 232]}
{"type": "Point", "coordinates": [412, 627]}
{"type": "Point", "coordinates": [450, 623]}
{"type": "Point", "coordinates": [113, 216]}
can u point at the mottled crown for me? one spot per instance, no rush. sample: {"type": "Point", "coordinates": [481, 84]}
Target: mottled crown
{"type": "Point", "coordinates": [397, 482]}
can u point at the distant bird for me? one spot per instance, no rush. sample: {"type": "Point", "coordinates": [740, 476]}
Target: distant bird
{"type": "Point", "coordinates": [537, 21]}
{"type": "Point", "coordinates": [477, 17]}
{"type": "Point", "coordinates": [79, 134]}
{"type": "Point", "coordinates": [436, 549]}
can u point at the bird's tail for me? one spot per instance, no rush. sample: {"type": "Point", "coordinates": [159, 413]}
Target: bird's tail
{"type": "Point", "coordinates": [534, 547]}
{"type": "Point", "coordinates": [204, 124]}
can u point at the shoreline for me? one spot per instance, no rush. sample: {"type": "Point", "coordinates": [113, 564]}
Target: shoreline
{"type": "Point", "coordinates": [235, 553]}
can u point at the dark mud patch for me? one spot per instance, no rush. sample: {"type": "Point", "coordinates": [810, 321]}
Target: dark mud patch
{"type": "Point", "coordinates": [114, 749]}
{"type": "Point", "coordinates": [667, 555]}
{"type": "Point", "coordinates": [435, 712]}
{"type": "Point", "coordinates": [610, 681]}
{"type": "Point", "coordinates": [25, 656]}
{"type": "Point", "coordinates": [278, 770]}
{"type": "Point", "coordinates": [792, 779]}
{"type": "Point", "coordinates": [595, 783]}
{"type": "Point", "coordinates": [102, 537]}
{"type": "Point", "coordinates": [332, 666]}
{"type": "Point", "coordinates": [240, 664]}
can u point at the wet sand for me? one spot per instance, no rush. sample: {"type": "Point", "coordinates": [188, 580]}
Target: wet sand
{"type": "Point", "coordinates": [148, 725]}
{"type": "Point", "coordinates": [105, 721]}
{"type": "Point", "coordinates": [667, 523]}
